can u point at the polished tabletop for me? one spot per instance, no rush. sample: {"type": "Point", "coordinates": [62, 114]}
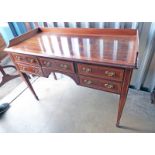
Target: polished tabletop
{"type": "Point", "coordinates": [112, 48]}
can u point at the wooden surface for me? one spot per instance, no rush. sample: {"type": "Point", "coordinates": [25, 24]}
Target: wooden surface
{"type": "Point", "coordinates": [110, 46]}
{"type": "Point", "coordinates": [97, 58]}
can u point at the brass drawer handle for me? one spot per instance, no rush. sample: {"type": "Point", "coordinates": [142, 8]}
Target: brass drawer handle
{"type": "Point", "coordinates": [22, 68]}
{"type": "Point", "coordinates": [18, 58]}
{"type": "Point", "coordinates": [110, 73]}
{"type": "Point", "coordinates": [64, 66]}
{"type": "Point", "coordinates": [47, 63]}
{"type": "Point", "coordinates": [31, 60]}
{"type": "Point", "coordinates": [87, 70]}
{"type": "Point", "coordinates": [88, 82]}
{"type": "Point", "coordinates": [109, 86]}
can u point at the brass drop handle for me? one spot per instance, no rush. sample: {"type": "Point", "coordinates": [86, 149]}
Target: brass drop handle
{"type": "Point", "coordinates": [31, 60]}
{"type": "Point", "coordinates": [86, 69]}
{"type": "Point", "coordinates": [18, 58]}
{"type": "Point", "coordinates": [109, 86]}
{"type": "Point", "coordinates": [88, 82]}
{"type": "Point", "coordinates": [48, 64]}
{"type": "Point", "coordinates": [110, 73]}
{"type": "Point", "coordinates": [45, 62]}
{"type": "Point", "coordinates": [65, 66]}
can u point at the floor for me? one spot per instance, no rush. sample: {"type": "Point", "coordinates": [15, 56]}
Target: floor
{"type": "Point", "coordinates": [65, 107]}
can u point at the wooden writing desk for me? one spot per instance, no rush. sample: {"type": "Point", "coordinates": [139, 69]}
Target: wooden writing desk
{"type": "Point", "coordinates": [97, 58]}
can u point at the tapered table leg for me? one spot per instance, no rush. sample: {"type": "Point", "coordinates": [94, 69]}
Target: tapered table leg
{"type": "Point", "coordinates": [27, 81]}
{"type": "Point", "coordinates": [123, 94]}
{"type": "Point", "coordinates": [120, 108]}
{"type": "Point", "coordinates": [55, 77]}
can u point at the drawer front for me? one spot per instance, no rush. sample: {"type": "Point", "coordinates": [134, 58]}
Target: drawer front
{"type": "Point", "coordinates": [100, 84]}
{"type": "Point", "coordinates": [30, 69]}
{"type": "Point", "coordinates": [101, 72]}
{"type": "Point", "coordinates": [59, 65]}
{"type": "Point", "coordinates": [26, 59]}
{"type": "Point", "coordinates": [45, 62]}
{"type": "Point", "coordinates": [64, 66]}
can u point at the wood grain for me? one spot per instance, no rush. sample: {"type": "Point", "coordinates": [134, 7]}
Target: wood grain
{"type": "Point", "coordinates": [114, 47]}
{"type": "Point", "coordinates": [101, 72]}
{"type": "Point", "coordinates": [101, 59]}
{"type": "Point", "coordinates": [101, 84]}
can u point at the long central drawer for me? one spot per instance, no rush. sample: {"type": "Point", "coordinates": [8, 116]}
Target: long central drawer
{"type": "Point", "coordinates": [59, 65]}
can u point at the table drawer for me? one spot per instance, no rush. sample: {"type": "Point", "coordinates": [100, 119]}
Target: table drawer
{"type": "Point", "coordinates": [65, 66]}
{"type": "Point", "coordinates": [101, 72]}
{"type": "Point", "coordinates": [46, 62]}
{"type": "Point", "coordinates": [26, 59]}
{"type": "Point", "coordinates": [30, 69]}
{"type": "Point", "coordinates": [101, 84]}
{"type": "Point", "coordinates": [60, 65]}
